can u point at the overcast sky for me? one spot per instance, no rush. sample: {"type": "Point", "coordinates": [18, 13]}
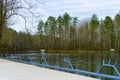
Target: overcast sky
{"type": "Point", "coordinates": [78, 8]}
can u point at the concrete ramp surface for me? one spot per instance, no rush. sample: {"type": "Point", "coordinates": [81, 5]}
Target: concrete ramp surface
{"type": "Point", "coordinates": [10, 70]}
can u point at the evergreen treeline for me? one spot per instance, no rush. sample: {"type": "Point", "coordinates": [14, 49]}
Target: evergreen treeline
{"type": "Point", "coordinates": [67, 33]}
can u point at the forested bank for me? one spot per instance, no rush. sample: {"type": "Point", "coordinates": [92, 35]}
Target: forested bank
{"type": "Point", "coordinates": [66, 33]}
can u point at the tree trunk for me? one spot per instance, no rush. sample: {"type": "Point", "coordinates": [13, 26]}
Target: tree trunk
{"type": "Point", "coordinates": [1, 18]}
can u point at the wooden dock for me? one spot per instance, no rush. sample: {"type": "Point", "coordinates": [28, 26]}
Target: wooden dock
{"type": "Point", "coordinates": [10, 70]}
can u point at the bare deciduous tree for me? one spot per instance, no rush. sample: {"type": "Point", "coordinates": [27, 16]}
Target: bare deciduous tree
{"type": "Point", "coordinates": [9, 8]}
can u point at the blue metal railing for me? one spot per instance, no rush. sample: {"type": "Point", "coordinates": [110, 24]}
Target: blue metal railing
{"type": "Point", "coordinates": [109, 65]}
{"type": "Point", "coordinates": [67, 60]}
{"type": "Point", "coordinates": [18, 58]}
{"type": "Point", "coordinates": [44, 59]}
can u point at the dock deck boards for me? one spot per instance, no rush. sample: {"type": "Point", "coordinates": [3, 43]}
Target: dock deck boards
{"type": "Point", "coordinates": [10, 70]}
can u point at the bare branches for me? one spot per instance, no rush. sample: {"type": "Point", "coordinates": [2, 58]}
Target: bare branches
{"type": "Point", "coordinates": [9, 8]}
{"type": "Point", "coordinates": [20, 16]}
{"type": "Point", "coordinates": [28, 10]}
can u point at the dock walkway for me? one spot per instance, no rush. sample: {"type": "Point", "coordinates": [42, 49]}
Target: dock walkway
{"type": "Point", "coordinates": [10, 70]}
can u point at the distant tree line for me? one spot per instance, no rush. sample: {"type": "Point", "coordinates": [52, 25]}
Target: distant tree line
{"type": "Point", "coordinates": [67, 33]}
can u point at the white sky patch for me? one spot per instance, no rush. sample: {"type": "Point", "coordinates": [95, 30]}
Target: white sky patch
{"type": "Point", "coordinates": [18, 23]}
{"type": "Point", "coordinates": [78, 8]}
{"type": "Point", "coordinates": [82, 8]}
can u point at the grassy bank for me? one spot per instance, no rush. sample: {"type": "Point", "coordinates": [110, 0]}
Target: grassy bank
{"type": "Point", "coordinates": [75, 51]}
